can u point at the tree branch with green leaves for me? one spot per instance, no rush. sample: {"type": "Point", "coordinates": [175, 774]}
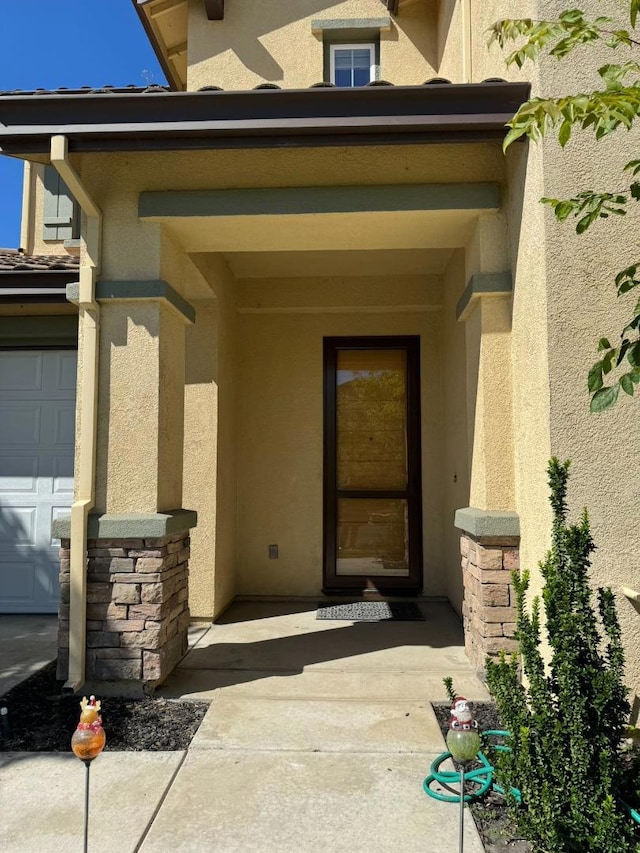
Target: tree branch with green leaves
{"type": "Point", "coordinates": [602, 111]}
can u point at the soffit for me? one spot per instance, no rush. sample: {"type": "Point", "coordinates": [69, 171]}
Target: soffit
{"type": "Point", "coordinates": [166, 23]}
{"type": "Point", "coordinates": [297, 264]}
{"type": "Point", "coordinates": [325, 232]}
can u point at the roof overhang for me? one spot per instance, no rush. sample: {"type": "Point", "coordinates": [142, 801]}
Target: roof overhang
{"type": "Point", "coordinates": [25, 287]}
{"type": "Point", "coordinates": [265, 118]}
{"type": "Point", "coordinates": [166, 24]}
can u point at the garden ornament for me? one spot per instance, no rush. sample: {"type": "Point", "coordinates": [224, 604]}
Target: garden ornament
{"type": "Point", "coordinates": [87, 743]}
{"type": "Point", "coordinates": [463, 742]}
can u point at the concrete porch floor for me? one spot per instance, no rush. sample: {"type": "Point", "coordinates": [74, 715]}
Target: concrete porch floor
{"type": "Point", "coordinates": [318, 736]}
{"type": "Point", "coordinates": [280, 650]}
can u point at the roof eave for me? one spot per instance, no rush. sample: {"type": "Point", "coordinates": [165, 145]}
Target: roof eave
{"type": "Point", "coordinates": [41, 287]}
{"type": "Point", "coordinates": [169, 72]}
{"type": "Point", "coordinates": [262, 118]}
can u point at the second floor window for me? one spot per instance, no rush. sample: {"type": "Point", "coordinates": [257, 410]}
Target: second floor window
{"type": "Point", "coordinates": [352, 64]}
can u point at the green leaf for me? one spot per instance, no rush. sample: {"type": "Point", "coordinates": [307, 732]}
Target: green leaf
{"type": "Point", "coordinates": [603, 344]}
{"type": "Point", "coordinates": [605, 397]}
{"type": "Point", "coordinates": [564, 133]}
{"type": "Point", "coordinates": [514, 133]}
{"type": "Point", "coordinates": [594, 381]}
{"type": "Point", "coordinates": [633, 356]}
{"type": "Point", "coordinates": [633, 12]}
{"type": "Point", "coordinates": [626, 383]}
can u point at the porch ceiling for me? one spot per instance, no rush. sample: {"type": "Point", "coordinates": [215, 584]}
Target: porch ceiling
{"type": "Point", "coordinates": [415, 229]}
{"type": "Point", "coordinates": [298, 264]}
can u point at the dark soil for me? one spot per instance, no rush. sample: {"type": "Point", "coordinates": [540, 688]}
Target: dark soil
{"type": "Point", "coordinates": [41, 719]}
{"type": "Point", "coordinates": [498, 832]}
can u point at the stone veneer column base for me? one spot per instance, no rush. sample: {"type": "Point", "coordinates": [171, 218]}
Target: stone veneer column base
{"type": "Point", "coordinates": [488, 607]}
{"type": "Point", "coordinates": [137, 612]}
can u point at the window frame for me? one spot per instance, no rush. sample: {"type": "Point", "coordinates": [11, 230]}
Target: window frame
{"type": "Point", "coordinates": [334, 46]}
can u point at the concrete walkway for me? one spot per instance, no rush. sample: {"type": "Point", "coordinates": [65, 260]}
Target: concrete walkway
{"type": "Point", "coordinates": [27, 643]}
{"type": "Point", "coordinates": [318, 738]}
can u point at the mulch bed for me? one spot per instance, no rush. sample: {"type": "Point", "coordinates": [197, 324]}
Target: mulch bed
{"type": "Point", "coordinates": [41, 719]}
{"type": "Point", "coordinates": [497, 830]}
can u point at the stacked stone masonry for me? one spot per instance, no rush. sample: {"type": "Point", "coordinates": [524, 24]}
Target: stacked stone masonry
{"type": "Point", "coordinates": [488, 607]}
{"type": "Point", "coordinates": [137, 609]}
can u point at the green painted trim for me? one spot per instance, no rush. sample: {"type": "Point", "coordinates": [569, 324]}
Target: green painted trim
{"type": "Point", "coordinates": [41, 331]}
{"type": "Point", "coordinates": [481, 523]}
{"type": "Point", "coordinates": [323, 25]}
{"type": "Point", "coordinates": [138, 290]}
{"type": "Point", "coordinates": [483, 284]}
{"type": "Point", "coordinates": [130, 525]}
{"type": "Point", "coordinates": [300, 200]}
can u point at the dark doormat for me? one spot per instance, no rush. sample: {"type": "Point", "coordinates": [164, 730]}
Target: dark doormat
{"type": "Point", "coordinates": [372, 611]}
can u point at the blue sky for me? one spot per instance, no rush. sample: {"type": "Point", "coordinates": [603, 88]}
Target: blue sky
{"type": "Point", "coordinates": [66, 43]}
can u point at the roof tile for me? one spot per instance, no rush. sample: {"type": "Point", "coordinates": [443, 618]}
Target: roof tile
{"type": "Point", "coordinates": [15, 260]}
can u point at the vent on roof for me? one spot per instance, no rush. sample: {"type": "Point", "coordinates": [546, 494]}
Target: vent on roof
{"type": "Point", "coordinates": [437, 81]}
{"type": "Point", "coordinates": [267, 86]}
{"type": "Point", "coordinates": [210, 89]}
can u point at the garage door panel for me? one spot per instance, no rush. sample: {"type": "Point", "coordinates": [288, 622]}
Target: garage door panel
{"type": "Point", "coordinates": [21, 371]}
{"type": "Point", "coordinates": [20, 424]}
{"type": "Point", "coordinates": [37, 425]}
{"type": "Point", "coordinates": [17, 526]}
{"type": "Point", "coordinates": [66, 372]}
{"type": "Point", "coordinates": [18, 474]}
{"type": "Point", "coordinates": [63, 475]}
{"type": "Point", "coordinates": [18, 582]}
{"type": "Point", "coordinates": [64, 426]}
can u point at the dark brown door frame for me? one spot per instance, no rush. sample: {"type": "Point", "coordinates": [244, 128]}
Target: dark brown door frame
{"type": "Point", "coordinates": [345, 583]}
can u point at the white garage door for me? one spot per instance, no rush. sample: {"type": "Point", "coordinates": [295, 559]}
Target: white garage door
{"type": "Point", "coordinates": [37, 412]}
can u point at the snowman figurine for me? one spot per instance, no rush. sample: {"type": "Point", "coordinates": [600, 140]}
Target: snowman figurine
{"type": "Point", "coordinates": [463, 739]}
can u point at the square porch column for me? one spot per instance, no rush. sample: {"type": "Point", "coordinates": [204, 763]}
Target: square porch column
{"type": "Point", "coordinates": [137, 612]}
{"type": "Point", "coordinates": [490, 531]}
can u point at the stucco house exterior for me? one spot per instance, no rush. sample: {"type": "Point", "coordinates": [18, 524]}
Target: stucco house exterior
{"type": "Point", "coordinates": [306, 327]}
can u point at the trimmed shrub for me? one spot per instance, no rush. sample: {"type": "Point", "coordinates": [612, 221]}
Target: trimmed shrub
{"type": "Point", "coordinates": [568, 720]}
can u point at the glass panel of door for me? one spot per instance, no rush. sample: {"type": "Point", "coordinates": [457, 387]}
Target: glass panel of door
{"type": "Point", "coordinates": [373, 503]}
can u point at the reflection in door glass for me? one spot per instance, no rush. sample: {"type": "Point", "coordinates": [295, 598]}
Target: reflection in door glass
{"type": "Point", "coordinates": [372, 537]}
{"type": "Point", "coordinates": [372, 419]}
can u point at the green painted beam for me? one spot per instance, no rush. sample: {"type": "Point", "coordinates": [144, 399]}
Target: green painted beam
{"type": "Point", "coordinates": [301, 200]}
{"type": "Point", "coordinates": [483, 284]}
{"type": "Point", "coordinates": [154, 289]}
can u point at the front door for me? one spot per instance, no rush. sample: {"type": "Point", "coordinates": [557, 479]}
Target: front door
{"type": "Point", "coordinates": [372, 483]}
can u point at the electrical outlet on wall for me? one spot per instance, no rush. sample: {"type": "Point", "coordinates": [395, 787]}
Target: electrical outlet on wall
{"type": "Point", "coordinates": [273, 552]}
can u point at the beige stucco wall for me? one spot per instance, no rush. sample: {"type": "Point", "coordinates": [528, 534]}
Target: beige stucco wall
{"type": "Point", "coordinates": [272, 42]}
{"type": "Point", "coordinates": [140, 408]}
{"type": "Point", "coordinates": [457, 442]}
{"type": "Point", "coordinates": [582, 306]}
{"type": "Point", "coordinates": [211, 445]}
{"type": "Point", "coordinates": [564, 298]}
{"type": "Point", "coordinates": [280, 441]}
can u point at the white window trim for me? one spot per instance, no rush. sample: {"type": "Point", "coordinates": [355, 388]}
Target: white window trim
{"type": "Point", "coordinates": [370, 46]}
